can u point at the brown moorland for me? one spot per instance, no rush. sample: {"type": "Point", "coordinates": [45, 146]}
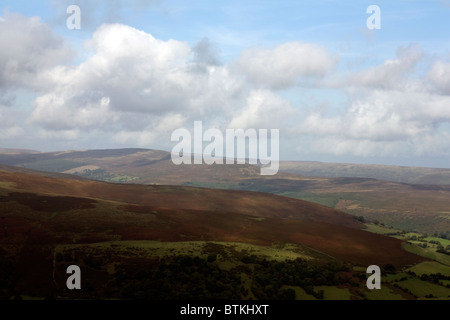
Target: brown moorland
{"type": "Point", "coordinates": [99, 211]}
{"type": "Point", "coordinates": [420, 207]}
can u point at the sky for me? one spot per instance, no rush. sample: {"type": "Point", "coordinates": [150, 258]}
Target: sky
{"type": "Point", "coordinates": [135, 71]}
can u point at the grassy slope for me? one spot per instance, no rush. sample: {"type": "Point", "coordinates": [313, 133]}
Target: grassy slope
{"type": "Point", "coordinates": [423, 208]}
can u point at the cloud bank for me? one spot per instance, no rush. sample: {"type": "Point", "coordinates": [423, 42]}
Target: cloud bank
{"type": "Point", "coordinates": [135, 89]}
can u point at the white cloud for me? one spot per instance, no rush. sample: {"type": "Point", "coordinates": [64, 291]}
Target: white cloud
{"type": "Point", "coordinates": [136, 89]}
{"type": "Point", "coordinates": [439, 76]}
{"type": "Point", "coordinates": [206, 53]}
{"type": "Point", "coordinates": [52, 112]}
{"type": "Point", "coordinates": [336, 146]}
{"type": "Point", "coordinates": [141, 88]}
{"type": "Point", "coordinates": [28, 47]}
{"type": "Point", "coordinates": [432, 144]}
{"type": "Point", "coordinates": [153, 134]}
{"type": "Point", "coordinates": [381, 123]}
{"type": "Point", "coordinates": [8, 128]}
{"type": "Point", "coordinates": [390, 111]}
{"type": "Point", "coordinates": [132, 82]}
{"type": "Point", "coordinates": [392, 73]}
{"type": "Point", "coordinates": [263, 109]}
{"type": "Point", "coordinates": [384, 115]}
{"type": "Point", "coordinates": [282, 66]}
{"type": "Point", "coordinates": [11, 132]}
{"type": "Point", "coordinates": [62, 135]}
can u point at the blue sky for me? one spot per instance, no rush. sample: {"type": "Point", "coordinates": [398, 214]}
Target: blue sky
{"type": "Point", "coordinates": [137, 70]}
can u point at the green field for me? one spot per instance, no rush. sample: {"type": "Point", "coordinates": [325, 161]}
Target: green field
{"type": "Point", "coordinates": [229, 257]}
{"type": "Point", "coordinates": [443, 242]}
{"type": "Point", "coordinates": [255, 272]}
{"type": "Point", "coordinates": [329, 293]}
{"type": "Point", "coordinates": [379, 229]}
{"type": "Point", "coordinates": [422, 289]}
{"type": "Point", "coordinates": [229, 251]}
{"type": "Point", "coordinates": [414, 242]}
{"type": "Point", "coordinates": [430, 267]}
{"type": "Point", "coordinates": [427, 253]}
{"type": "Point", "coordinates": [385, 293]}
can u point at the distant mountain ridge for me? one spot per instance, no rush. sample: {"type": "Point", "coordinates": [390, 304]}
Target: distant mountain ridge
{"type": "Point", "coordinates": [421, 207]}
{"type": "Point", "coordinates": [16, 151]}
{"type": "Point", "coordinates": [401, 174]}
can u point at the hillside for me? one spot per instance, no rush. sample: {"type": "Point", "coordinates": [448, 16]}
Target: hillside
{"type": "Point", "coordinates": [135, 160]}
{"type": "Point", "coordinates": [410, 207]}
{"type": "Point", "coordinates": [16, 151]}
{"type": "Point", "coordinates": [45, 217]}
{"type": "Point", "coordinates": [400, 174]}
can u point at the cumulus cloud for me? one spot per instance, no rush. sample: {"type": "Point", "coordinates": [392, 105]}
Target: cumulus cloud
{"type": "Point", "coordinates": [206, 53]}
{"type": "Point", "coordinates": [432, 144]}
{"type": "Point", "coordinates": [152, 132]}
{"type": "Point", "coordinates": [53, 113]}
{"type": "Point", "coordinates": [28, 48]}
{"type": "Point", "coordinates": [281, 66]}
{"type": "Point", "coordinates": [135, 89]}
{"type": "Point", "coordinates": [139, 88]}
{"type": "Point", "coordinates": [381, 123]}
{"type": "Point", "coordinates": [263, 109]}
{"type": "Point", "coordinates": [389, 111]}
{"type": "Point", "coordinates": [390, 74]}
{"type": "Point", "coordinates": [8, 126]}
{"type": "Point", "coordinates": [383, 116]}
{"type": "Point", "coordinates": [134, 81]}
{"type": "Point", "coordinates": [366, 148]}
{"type": "Point", "coordinates": [439, 76]}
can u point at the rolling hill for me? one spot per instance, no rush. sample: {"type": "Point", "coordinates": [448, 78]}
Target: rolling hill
{"type": "Point", "coordinates": [136, 160]}
{"type": "Point", "coordinates": [49, 221]}
{"type": "Point", "coordinates": [400, 174]}
{"type": "Point", "coordinates": [411, 207]}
